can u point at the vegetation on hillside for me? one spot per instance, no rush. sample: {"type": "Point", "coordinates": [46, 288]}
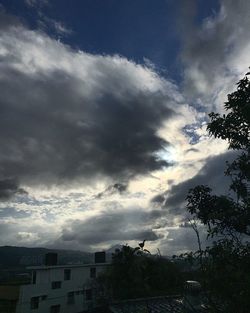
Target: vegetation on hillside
{"type": "Point", "coordinates": [135, 273]}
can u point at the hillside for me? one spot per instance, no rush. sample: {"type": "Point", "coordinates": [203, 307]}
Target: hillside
{"type": "Point", "coordinates": [21, 256]}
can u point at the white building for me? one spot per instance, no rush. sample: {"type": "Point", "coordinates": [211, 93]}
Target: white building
{"type": "Point", "coordinates": [60, 288]}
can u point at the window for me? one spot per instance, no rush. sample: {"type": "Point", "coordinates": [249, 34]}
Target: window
{"type": "Point", "coordinates": [55, 308]}
{"type": "Point", "coordinates": [34, 303]}
{"type": "Point", "coordinates": [67, 274]}
{"type": "Point", "coordinates": [88, 294]}
{"type": "Point", "coordinates": [33, 277]}
{"type": "Point", "coordinates": [56, 284]}
{"type": "Point", "coordinates": [93, 272]}
{"type": "Point", "coordinates": [71, 297]}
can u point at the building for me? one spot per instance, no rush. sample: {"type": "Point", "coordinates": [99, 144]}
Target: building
{"type": "Point", "coordinates": [59, 288]}
{"type": "Point", "coordinates": [9, 296]}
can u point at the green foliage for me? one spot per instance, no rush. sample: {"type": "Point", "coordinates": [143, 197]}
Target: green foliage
{"type": "Point", "coordinates": [226, 264]}
{"type": "Point", "coordinates": [221, 214]}
{"type": "Point", "coordinates": [235, 126]}
{"type": "Point", "coordinates": [227, 275]}
{"type": "Point", "coordinates": [135, 273]}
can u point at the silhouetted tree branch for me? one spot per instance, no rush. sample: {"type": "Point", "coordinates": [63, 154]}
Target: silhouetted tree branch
{"type": "Point", "coordinates": [227, 264]}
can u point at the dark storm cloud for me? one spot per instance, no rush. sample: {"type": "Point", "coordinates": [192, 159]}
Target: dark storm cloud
{"type": "Point", "coordinates": [66, 137]}
{"type": "Point", "coordinates": [118, 225]}
{"type": "Point", "coordinates": [56, 125]}
{"type": "Point", "coordinates": [9, 188]}
{"type": "Point", "coordinates": [158, 199]}
{"type": "Point", "coordinates": [117, 188]}
{"type": "Point", "coordinates": [211, 174]}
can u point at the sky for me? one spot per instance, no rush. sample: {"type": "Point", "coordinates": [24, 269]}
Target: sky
{"type": "Point", "coordinates": [103, 113]}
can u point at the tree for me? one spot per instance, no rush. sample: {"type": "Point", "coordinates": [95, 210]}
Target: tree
{"type": "Point", "coordinates": [227, 262]}
{"type": "Point", "coordinates": [135, 273]}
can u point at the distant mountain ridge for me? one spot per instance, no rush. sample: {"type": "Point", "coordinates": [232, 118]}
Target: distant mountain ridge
{"type": "Point", "coordinates": [113, 249]}
{"type": "Point", "coordinates": [11, 256]}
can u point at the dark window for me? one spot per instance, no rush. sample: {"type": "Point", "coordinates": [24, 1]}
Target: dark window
{"type": "Point", "coordinates": [34, 303]}
{"type": "Point", "coordinates": [71, 297]}
{"type": "Point", "coordinates": [55, 308]}
{"type": "Point", "coordinates": [67, 274]}
{"type": "Point", "coordinates": [56, 284]}
{"type": "Point", "coordinates": [88, 294]}
{"type": "Point", "coordinates": [33, 277]}
{"type": "Point", "coordinates": [93, 272]}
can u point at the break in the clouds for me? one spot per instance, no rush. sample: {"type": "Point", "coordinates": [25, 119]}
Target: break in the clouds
{"type": "Point", "coordinates": [11, 212]}
{"type": "Point", "coordinates": [68, 115]}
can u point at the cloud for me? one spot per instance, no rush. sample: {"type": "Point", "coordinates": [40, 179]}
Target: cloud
{"type": "Point", "coordinates": [158, 199]}
{"type": "Point", "coordinates": [9, 188]}
{"type": "Point", "coordinates": [91, 121]}
{"type": "Point", "coordinates": [117, 188]}
{"type": "Point", "coordinates": [211, 174]}
{"type": "Point", "coordinates": [13, 213]}
{"type": "Point", "coordinates": [45, 23]}
{"type": "Point", "coordinates": [112, 226]}
{"type": "Point", "coordinates": [7, 20]}
{"type": "Point", "coordinates": [4, 229]}
{"type": "Point", "coordinates": [216, 52]}
{"type": "Point", "coordinates": [13, 233]}
{"type": "Point", "coordinates": [50, 25]}
{"type": "Point", "coordinates": [182, 239]}
{"type": "Point", "coordinates": [61, 29]}
{"type": "Point", "coordinates": [68, 115]}
{"type": "Point", "coordinates": [36, 3]}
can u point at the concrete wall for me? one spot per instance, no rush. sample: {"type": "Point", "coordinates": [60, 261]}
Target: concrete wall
{"type": "Point", "coordinates": [79, 282]}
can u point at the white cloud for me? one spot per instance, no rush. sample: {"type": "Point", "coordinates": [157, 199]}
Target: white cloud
{"type": "Point", "coordinates": [36, 3]}
{"type": "Point", "coordinates": [88, 110]}
{"type": "Point", "coordinates": [216, 53]}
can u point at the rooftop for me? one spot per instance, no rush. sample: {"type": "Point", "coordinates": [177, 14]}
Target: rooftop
{"type": "Point", "coordinates": [167, 304]}
{"type": "Point", "coordinates": [47, 267]}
